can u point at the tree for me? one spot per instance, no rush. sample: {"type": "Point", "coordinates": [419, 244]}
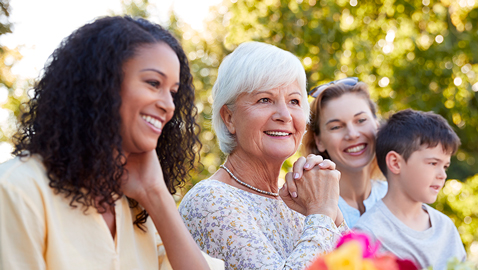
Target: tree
{"type": "Point", "coordinates": [11, 91]}
{"type": "Point", "coordinates": [419, 54]}
{"type": "Point", "coordinates": [413, 54]}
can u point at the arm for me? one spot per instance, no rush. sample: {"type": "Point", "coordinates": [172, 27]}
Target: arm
{"type": "Point", "coordinates": [225, 228]}
{"type": "Point", "coordinates": [22, 231]}
{"type": "Point", "coordinates": [146, 185]}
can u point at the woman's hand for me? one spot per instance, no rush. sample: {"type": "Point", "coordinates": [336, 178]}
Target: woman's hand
{"type": "Point", "coordinates": [143, 174]}
{"type": "Point", "coordinates": [316, 190]}
{"type": "Point", "coordinates": [144, 182]}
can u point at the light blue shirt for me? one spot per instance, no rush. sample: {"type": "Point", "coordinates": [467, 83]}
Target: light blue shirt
{"type": "Point", "coordinates": [351, 215]}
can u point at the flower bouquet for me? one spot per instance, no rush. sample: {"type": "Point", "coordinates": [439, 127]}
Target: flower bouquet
{"type": "Point", "coordinates": [355, 251]}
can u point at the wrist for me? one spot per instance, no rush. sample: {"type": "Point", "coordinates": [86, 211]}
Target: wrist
{"type": "Point", "coordinates": [320, 211]}
{"type": "Point", "coordinates": [155, 196]}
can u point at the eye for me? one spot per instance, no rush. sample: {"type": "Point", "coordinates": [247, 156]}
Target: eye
{"type": "Point", "coordinates": [334, 127]}
{"type": "Point", "coordinates": [433, 163]}
{"type": "Point", "coordinates": [264, 100]}
{"type": "Point", "coordinates": [295, 102]}
{"type": "Point", "coordinates": [361, 120]}
{"type": "Point", "coordinates": [174, 92]}
{"type": "Point", "coordinates": [153, 83]}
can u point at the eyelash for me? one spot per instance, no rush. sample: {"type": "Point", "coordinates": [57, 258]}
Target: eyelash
{"type": "Point", "coordinates": [334, 127]}
{"type": "Point", "coordinates": [266, 100]}
{"type": "Point", "coordinates": [153, 83]}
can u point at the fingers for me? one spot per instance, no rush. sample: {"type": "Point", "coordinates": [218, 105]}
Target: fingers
{"type": "Point", "coordinates": [327, 164]}
{"type": "Point", "coordinates": [284, 191]}
{"type": "Point", "coordinates": [298, 167]}
{"type": "Point", "coordinates": [305, 164]}
{"type": "Point", "coordinates": [291, 186]}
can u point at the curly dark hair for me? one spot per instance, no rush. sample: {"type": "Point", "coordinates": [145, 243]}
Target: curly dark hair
{"type": "Point", "coordinates": [73, 120]}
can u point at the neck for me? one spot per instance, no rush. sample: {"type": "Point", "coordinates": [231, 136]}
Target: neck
{"type": "Point", "coordinates": [258, 173]}
{"type": "Point", "coordinates": [355, 186]}
{"type": "Point", "coordinates": [407, 210]}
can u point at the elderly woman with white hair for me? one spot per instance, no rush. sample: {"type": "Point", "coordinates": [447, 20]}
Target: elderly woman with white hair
{"type": "Point", "coordinates": [239, 215]}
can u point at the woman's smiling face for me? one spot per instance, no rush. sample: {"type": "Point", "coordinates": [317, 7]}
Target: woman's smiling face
{"type": "Point", "coordinates": [347, 132]}
{"type": "Point", "coordinates": [268, 124]}
{"type": "Point", "coordinates": [151, 77]}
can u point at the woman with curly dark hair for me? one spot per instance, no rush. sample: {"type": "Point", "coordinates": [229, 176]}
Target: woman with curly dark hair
{"type": "Point", "coordinates": [107, 137]}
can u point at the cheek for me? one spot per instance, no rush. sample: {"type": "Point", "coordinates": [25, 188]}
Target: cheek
{"type": "Point", "coordinates": [300, 122]}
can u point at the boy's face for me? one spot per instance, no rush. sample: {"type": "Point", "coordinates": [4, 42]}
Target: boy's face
{"type": "Point", "coordinates": [424, 174]}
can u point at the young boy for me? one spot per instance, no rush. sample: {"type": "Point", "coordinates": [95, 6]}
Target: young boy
{"type": "Point", "coordinates": [413, 152]}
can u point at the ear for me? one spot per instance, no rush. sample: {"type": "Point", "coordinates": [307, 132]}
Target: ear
{"type": "Point", "coordinates": [393, 160]}
{"type": "Point", "coordinates": [226, 115]}
{"type": "Point", "coordinates": [318, 142]}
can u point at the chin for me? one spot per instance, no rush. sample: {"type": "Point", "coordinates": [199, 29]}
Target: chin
{"type": "Point", "coordinates": [278, 156]}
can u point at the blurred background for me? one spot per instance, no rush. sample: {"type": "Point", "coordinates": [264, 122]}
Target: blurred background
{"type": "Point", "coordinates": [420, 54]}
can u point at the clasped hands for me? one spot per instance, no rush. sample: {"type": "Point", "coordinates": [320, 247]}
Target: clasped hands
{"type": "Point", "coordinates": [313, 188]}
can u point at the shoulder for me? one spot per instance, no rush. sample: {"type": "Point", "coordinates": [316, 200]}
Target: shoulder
{"type": "Point", "coordinates": [380, 187]}
{"type": "Point", "coordinates": [371, 217]}
{"type": "Point", "coordinates": [23, 173]}
{"type": "Point", "coordinates": [207, 189]}
{"type": "Point", "coordinates": [24, 185]}
{"type": "Point", "coordinates": [208, 195]}
{"type": "Point", "coordinates": [439, 218]}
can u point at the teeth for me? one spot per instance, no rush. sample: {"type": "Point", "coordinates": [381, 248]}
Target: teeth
{"type": "Point", "coordinates": [277, 133]}
{"type": "Point", "coordinates": [157, 124]}
{"type": "Point", "coordinates": [355, 149]}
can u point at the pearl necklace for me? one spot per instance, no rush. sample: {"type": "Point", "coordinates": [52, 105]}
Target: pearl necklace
{"type": "Point", "coordinates": [247, 185]}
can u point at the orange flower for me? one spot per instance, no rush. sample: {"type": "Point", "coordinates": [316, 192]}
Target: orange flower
{"type": "Point", "coordinates": [385, 262]}
{"type": "Point", "coordinates": [347, 257]}
{"type": "Point", "coordinates": [319, 264]}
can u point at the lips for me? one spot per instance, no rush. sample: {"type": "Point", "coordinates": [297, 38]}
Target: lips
{"type": "Point", "coordinates": [435, 188]}
{"type": "Point", "coordinates": [277, 133]}
{"type": "Point", "coordinates": [355, 149]}
{"type": "Point", "coordinates": [153, 121]}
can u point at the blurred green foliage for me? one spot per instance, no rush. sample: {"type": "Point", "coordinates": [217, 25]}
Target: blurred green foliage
{"type": "Point", "coordinates": [458, 200]}
{"type": "Point", "coordinates": [419, 54]}
{"type": "Point", "coordinates": [11, 93]}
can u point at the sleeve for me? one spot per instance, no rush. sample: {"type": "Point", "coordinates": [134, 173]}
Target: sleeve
{"type": "Point", "coordinates": [22, 231]}
{"type": "Point", "coordinates": [214, 264]}
{"type": "Point", "coordinates": [225, 230]}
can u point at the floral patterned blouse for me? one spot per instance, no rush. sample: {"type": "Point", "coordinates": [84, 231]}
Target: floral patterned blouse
{"type": "Point", "coordinates": [249, 231]}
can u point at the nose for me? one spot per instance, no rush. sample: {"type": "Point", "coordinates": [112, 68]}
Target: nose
{"type": "Point", "coordinates": [282, 113]}
{"type": "Point", "coordinates": [352, 132]}
{"type": "Point", "coordinates": [442, 174]}
{"type": "Point", "coordinates": [165, 103]}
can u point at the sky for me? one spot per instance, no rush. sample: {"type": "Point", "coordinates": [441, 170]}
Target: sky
{"type": "Point", "coordinates": [40, 25]}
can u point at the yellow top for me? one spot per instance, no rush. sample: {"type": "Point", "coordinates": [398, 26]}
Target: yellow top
{"type": "Point", "coordinates": [40, 230]}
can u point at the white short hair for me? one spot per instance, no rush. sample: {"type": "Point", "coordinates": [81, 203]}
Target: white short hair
{"type": "Point", "coordinates": [253, 66]}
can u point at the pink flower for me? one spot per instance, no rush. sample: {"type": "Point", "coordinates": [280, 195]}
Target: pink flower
{"type": "Point", "coordinates": [355, 251]}
{"type": "Point", "coordinates": [368, 248]}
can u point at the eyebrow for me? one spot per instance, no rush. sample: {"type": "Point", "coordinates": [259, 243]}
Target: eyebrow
{"type": "Point", "coordinates": [271, 93]}
{"type": "Point", "coordinates": [157, 71]}
{"type": "Point", "coordinates": [437, 159]}
{"type": "Point", "coordinates": [154, 70]}
{"type": "Point", "coordinates": [337, 120]}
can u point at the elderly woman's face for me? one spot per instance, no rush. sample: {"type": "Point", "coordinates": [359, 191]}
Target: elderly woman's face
{"type": "Point", "coordinates": [268, 124]}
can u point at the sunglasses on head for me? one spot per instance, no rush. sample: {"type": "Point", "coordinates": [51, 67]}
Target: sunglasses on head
{"type": "Point", "coordinates": [315, 92]}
